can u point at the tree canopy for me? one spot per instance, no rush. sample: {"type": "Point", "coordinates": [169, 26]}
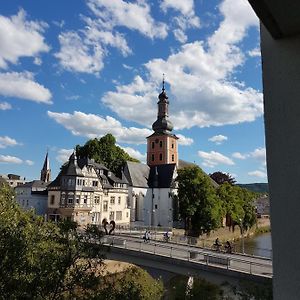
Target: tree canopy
{"type": "Point", "coordinates": [43, 260]}
{"type": "Point", "coordinates": [199, 205]}
{"type": "Point", "coordinates": [220, 177]}
{"type": "Point", "coordinates": [105, 151]}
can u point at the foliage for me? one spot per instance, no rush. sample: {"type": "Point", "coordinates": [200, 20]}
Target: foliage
{"type": "Point", "coordinates": [41, 260]}
{"type": "Point", "coordinates": [254, 291]}
{"type": "Point", "coordinates": [198, 203]}
{"type": "Point", "coordinates": [105, 151]}
{"type": "Point", "coordinates": [133, 283]}
{"type": "Point", "coordinates": [221, 178]}
{"type": "Point", "coordinates": [201, 289]}
{"type": "Point", "coordinates": [238, 205]}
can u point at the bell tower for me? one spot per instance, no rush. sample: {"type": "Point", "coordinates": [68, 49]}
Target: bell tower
{"type": "Point", "coordinates": [162, 144]}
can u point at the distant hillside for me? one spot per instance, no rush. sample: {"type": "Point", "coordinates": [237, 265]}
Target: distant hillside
{"type": "Point", "coordinates": [255, 187]}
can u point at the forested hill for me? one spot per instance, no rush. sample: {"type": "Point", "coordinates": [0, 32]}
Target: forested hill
{"type": "Point", "coordinates": [256, 187]}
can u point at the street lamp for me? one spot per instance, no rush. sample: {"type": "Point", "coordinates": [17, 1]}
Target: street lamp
{"type": "Point", "coordinates": [242, 229]}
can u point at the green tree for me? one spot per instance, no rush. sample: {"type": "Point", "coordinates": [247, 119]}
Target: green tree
{"type": "Point", "coordinates": [221, 178]}
{"type": "Point", "coordinates": [199, 205]}
{"type": "Point", "coordinates": [105, 151]}
{"type": "Point", "coordinates": [133, 283]}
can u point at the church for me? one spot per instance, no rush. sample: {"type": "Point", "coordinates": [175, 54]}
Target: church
{"type": "Point", "coordinates": [152, 186]}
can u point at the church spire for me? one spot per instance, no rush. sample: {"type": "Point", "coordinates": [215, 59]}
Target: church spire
{"type": "Point", "coordinates": [46, 172]}
{"type": "Point", "coordinates": [163, 124]}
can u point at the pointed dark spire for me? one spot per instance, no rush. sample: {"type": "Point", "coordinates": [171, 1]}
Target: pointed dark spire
{"type": "Point", "coordinates": [46, 172]}
{"type": "Point", "coordinates": [163, 83]}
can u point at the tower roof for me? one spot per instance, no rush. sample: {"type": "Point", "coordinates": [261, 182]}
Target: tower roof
{"type": "Point", "coordinates": [46, 165]}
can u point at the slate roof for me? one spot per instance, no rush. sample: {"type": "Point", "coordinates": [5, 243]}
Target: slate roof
{"type": "Point", "coordinates": [161, 176]}
{"type": "Point", "coordinates": [34, 184]}
{"type": "Point", "coordinates": [137, 174]}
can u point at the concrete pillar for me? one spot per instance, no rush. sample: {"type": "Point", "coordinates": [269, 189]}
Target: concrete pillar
{"type": "Point", "coordinates": [281, 84]}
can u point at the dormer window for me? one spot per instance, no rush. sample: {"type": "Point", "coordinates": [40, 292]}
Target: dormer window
{"type": "Point", "coordinates": [109, 173]}
{"type": "Point", "coordinates": [101, 172]}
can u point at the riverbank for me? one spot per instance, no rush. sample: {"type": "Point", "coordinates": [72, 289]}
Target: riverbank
{"type": "Point", "coordinates": [226, 234]}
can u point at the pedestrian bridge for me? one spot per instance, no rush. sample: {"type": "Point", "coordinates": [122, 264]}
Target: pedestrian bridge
{"type": "Point", "coordinates": [188, 260]}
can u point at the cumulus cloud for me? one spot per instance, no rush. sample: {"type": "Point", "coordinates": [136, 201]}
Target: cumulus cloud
{"type": "Point", "coordinates": [5, 106]}
{"type": "Point", "coordinates": [6, 141]}
{"type": "Point", "coordinates": [202, 92]}
{"type": "Point", "coordinates": [10, 159]}
{"type": "Point", "coordinates": [184, 141]}
{"type": "Point", "coordinates": [259, 154]}
{"type": "Point", "coordinates": [29, 162]}
{"type": "Point", "coordinates": [135, 153]}
{"type": "Point", "coordinates": [218, 139]}
{"type": "Point", "coordinates": [254, 52]}
{"type": "Point", "coordinates": [20, 38]}
{"type": "Point", "coordinates": [239, 155]}
{"type": "Point", "coordinates": [186, 19]}
{"type": "Point", "coordinates": [132, 15]}
{"type": "Point", "coordinates": [22, 85]}
{"type": "Point", "coordinates": [258, 173]}
{"type": "Point", "coordinates": [63, 155]}
{"type": "Point", "coordinates": [92, 126]}
{"type": "Point", "coordinates": [212, 159]}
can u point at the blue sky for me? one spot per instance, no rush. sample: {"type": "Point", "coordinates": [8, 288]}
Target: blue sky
{"type": "Point", "coordinates": [75, 70]}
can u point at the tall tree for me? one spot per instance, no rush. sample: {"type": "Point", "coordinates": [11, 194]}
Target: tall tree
{"type": "Point", "coordinates": [199, 205]}
{"type": "Point", "coordinates": [105, 151]}
{"type": "Point", "coordinates": [221, 178]}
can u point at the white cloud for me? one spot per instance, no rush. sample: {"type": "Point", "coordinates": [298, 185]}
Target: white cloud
{"type": "Point", "coordinates": [20, 38]}
{"type": "Point", "coordinates": [22, 85]}
{"type": "Point", "coordinates": [133, 15]}
{"type": "Point", "coordinates": [212, 159]}
{"type": "Point", "coordinates": [254, 52]}
{"type": "Point", "coordinates": [29, 162]}
{"type": "Point", "coordinates": [5, 106]}
{"type": "Point", "coordinates": [135, 153]}
{"type": "Point", "coordinates": [10, 159]}
{"type": "Point", "coordinates": [184, 141]}
{"type": "Point", "coordinates": [91, 126]}
{"type": "Point", "coordinates": [186, 19]}
{"type": "Point", "coordinates": [259, 154]}
{"type": "Point", "coordinates": [202, 92]}
{"type": "Point", "coordinates": [218, 139]}
{"type": "Point", "coordinates": [258, 173]}
{"type": "Point", "coordinates": [6, 141]}
{"type": "Point", "coordinates": [63, 155]}
{"type": "Point", "coordinates": [239, 155]}
{"type": "Point", "coordinates": [73, 97]}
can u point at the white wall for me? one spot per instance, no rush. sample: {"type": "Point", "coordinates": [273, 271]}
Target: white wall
{"type": "Point", "coordinates": [281, 80]}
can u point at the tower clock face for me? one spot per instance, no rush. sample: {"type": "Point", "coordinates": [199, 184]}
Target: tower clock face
{"type": "Point", "coordinates": [156, 141]}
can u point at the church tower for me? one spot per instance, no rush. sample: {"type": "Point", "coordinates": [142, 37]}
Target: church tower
{"type": "Point", "coordinates": [162, 144]}
{"type": "Point", "coordinates": [46, 172]}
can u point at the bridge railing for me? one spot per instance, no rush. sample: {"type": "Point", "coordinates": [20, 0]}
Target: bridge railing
{"type": "Point", "coordinates": [254, 266]}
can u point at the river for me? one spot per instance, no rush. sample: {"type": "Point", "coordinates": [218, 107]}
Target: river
{"type": "Point", "coordinates": [260, 245]}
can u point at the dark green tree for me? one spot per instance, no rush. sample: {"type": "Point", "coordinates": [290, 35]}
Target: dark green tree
{"type": "Point", "coordinates": [220, 178]}
{"type": "Point", "coordinates": [199, 205]}
{"type": "Point", "coordinates": [105, 151]}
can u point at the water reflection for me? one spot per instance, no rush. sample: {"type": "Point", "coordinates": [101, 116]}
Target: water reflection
{"type": "Point", "coordinates": [260, 245]}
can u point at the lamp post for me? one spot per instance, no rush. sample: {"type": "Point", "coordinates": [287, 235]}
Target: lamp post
{"type": "Point", "coordinates": [242, 230]}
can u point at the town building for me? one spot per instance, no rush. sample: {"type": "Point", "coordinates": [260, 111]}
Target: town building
{"type": "Point", "coordinates": [13, 180]}
{"type": "Point", "coordinates": [88, 193]}
{"type": "Point", "coordinates": [34, 194]}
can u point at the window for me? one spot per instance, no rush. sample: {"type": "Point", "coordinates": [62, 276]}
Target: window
{"type": "Point", "coordinates": [97, 199]}
{"type": "Point", "coordinates": [119, 200]}
{"type": "Point", "coordinates": [172, 157]}
{"type": "Point", "coordinates": [70, 200]}
{"type": "Point", "coordinates": [27, 203]}
{"type": "Point", "coordinates": [127, 214]}
{"type": "Point", "coordinates": [152, 157]}
{"type": "Point", "coordinates": [77, 199]}
{"type": "Point", "coordinates": [105, 192]}
{"type": "Point", "coordinates": [118, 215]}
{"type": "Point", "coordinates": [78, 182]}
{"type": "Point", "coordinates": [95, 183]}
{"type": "Point", "coordinates": [160, 156]}
{"type": "Point", "coordinates": [85, 199]}
{"type": "Point", "coordinates": [69, 182]}
{"type": "Point", "coordinates": [109, 173]}
{"type": "Point", "coordinates": [155, 206]}
{"type": "Point", "coordinates": [153, 144]}
{"type": "Point", "coordinates": [111, 215]}
{"type": "Point", "coordinates": [112, 200]}
{"type": "Point", "coordinates": [83, 182]}
{"type": "Point", "coordinates": [52, 199]}
{"type": "Point", "coordinates": [160, 144]}
{"type": "Point", "coordinates": [105, 206]}
{"type": "Point", "coordinates": [172, 145]}
{"type": "Point", "coordinates": [101, 172]}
